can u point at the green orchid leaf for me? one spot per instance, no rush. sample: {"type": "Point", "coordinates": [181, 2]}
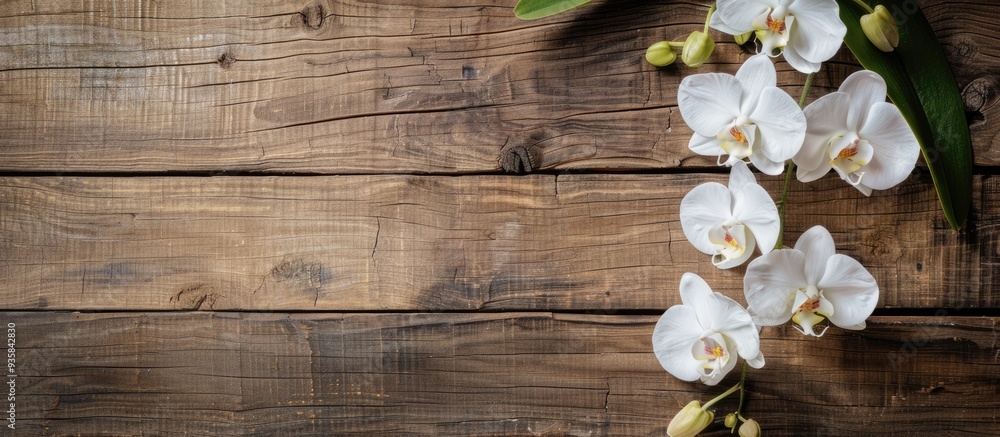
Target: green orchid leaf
{"type": "Point", "coordinates": [535, 9]}
{"type": "Point", "coordinates": [921, 84]}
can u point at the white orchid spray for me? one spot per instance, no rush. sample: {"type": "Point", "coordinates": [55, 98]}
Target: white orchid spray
{"type": "Point", "coordinates": [728, 222]}
{"type": "Point", "coordinates": [745, 116]}
{"type": "Point", "coordinates": [808, 32]}
{"type": "Point", "coordinates": [809, 283]}
{"type": "Point", "coordinates": [858, 134]}
{"type": "Point", "coordinates": [745, 119]}
{"type": "Point", "coordinates": [702, 338]}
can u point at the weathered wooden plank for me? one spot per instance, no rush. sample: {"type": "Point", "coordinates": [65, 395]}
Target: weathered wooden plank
{"type": "Point", "coordinates": [582, 242]}
{"type": "Point", "coordinates": [474, 374]}
{"type": "Point", "coordinates": [338, 86]}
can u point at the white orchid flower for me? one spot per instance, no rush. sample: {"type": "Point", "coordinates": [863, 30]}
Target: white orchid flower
{"type": "Point", "coordinates": [744, 116]}
{"type": "Point", "coordinates": [702, 337]}
{"type": "Point", "coordinates": [728, 223]}
{"type": "Point", "coordinates": [809, 32]}
{"type": "Point", "coordinates": [858, 134]}
{"type": "Point", "coordinates": [809, 283]}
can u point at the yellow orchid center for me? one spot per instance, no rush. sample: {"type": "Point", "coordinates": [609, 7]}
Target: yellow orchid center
{"type": "Point", "coordinates": [737, 135]}
{"type": "Point", "coordinates": [775, 25]}
{"type": "Point", "coordinates": [849, 155]}
{"type": "Point", "coordinates": [717, 352]}
{"type": "Point", "coordinates": [810, 305]}
{"type": "Point", "coordinates": [848, 152]}
{"type": "Point", "coordinates": [712, 352]}
{"type": "Point", "coordinates": [737, 140]}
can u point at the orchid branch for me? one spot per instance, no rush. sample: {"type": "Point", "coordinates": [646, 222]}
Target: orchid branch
{"type": "Point", "coordinates": [789, 170]}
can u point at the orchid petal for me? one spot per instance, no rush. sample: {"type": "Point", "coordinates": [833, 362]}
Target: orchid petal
{"type": "Point", "coordinates": [817, 245]}
{"type": "Point", "coordinates": [825, 120]}
{"type": "Point", "coordinates": [674, 334]}
{"type": "Point", "coordinates": [739, 177]}
{"type": "Point", "coordinates": [799, 63]}
{"type": "Point", "coordinates": [866, 89]}
{"type": "Point", "coordinates": [709, 102]}
{"type": "Point", "coordinates": [703, 208]}
{"type": "Point", "coordinates": [770, 285]}
{"type": "Point", "coordinates": [716, 23]}
{"type": "Point", "coordinates": [754, 208]}
{"type": "Point", "coordinates": [730, 319]}
{"type": "Point", "coordinates": [756, 362]}
{"type": "Point", "coordinates": [755, 75]}
{"type": "Point", "coordinates": [718, 313]}
{"type": "Point", "coordinates": [814, 174]}
{"type": "Point", "coordinates": [818, 31]}
{"type": "Point", "coordinates": [706, 146]}
{"type": "Point", "coordinates": [781, 123]}
{"type": "Point", "coordinates": [851, 289]}
{"type": "Point", "coordinates": [765, 165]}
{"type": "Point", "coordinates": [864, 189]}
{"type": "Point", "coordinates": [857, 327]}
{"type": "Point", "coordinates": [895, 147]}
{"type": "Point", "coordinates": [739, 14]}
{"type": "Point", "coordinates": [697, 294]}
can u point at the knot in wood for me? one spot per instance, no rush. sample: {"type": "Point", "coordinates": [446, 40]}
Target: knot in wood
{"type": "Point", "coordinates": [312, 16]}
{"type": "Point", "coordinates": [979, 95]}
{"type": "Point", "coordinates": [225, 60]}
{"type": "Point", "coordinates": [516, 159]}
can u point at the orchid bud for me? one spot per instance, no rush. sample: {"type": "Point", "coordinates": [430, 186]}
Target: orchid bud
{"type": "Point", "coordinates": [691, 420]}
{"type": "Point", "coordinates": [697, 49]}
{"type": "Point", "coordinates": [743, 37]}
{"type": "Point", "coordinates": [660, 54]}
{"type": "Point", "coordinates": [750, 428]}
{"type": "Point", "coordinates": [730, 420]}
{"type": "Point", "coordinates": [881, 29]}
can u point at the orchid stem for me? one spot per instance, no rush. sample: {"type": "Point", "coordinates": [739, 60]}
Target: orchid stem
{"type": "Point", "coordinates": [781, 205]}
{"type": "Point", "coordinates": [865, 6]}
{"type": "Point", "coordinates": [788, 172]}
{"type": "Point", "coordinates": [708, 19]}
{"type": "Point", "coordinates": [743, 392]}
{"type": "Point", "coordinates": [805, 89]}
{"type": "Point", "coordinates": [722, 396]}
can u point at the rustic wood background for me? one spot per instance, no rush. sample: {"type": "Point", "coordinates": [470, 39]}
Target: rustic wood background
{"type": "Point", "coordinates": [422, 217]}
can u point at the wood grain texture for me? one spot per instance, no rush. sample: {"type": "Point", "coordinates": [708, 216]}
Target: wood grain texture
{"type": "Point", "coordinates": [581, 242]}
{"type": "Point", "coordinates": [479, 374]}
{"type": "Point", "coordinates": [339, 86]}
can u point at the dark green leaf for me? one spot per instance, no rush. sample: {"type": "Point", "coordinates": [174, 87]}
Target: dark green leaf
{"type": "Point", "coordinates": [535, 9]}
{"type": "Point", "coordinates": [921, 84]}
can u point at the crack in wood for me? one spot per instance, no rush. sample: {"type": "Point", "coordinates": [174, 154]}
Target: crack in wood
{"type": "Point", "coordinates": [378, 231]}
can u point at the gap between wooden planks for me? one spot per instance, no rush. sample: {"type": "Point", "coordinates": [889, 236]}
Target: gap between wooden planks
{"type": "Point", "coordinates": [399, 243]}
{"type": "Point", "coordinates": [338, 87]}
{"type": "Point", "coordinates": [464, 374]}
